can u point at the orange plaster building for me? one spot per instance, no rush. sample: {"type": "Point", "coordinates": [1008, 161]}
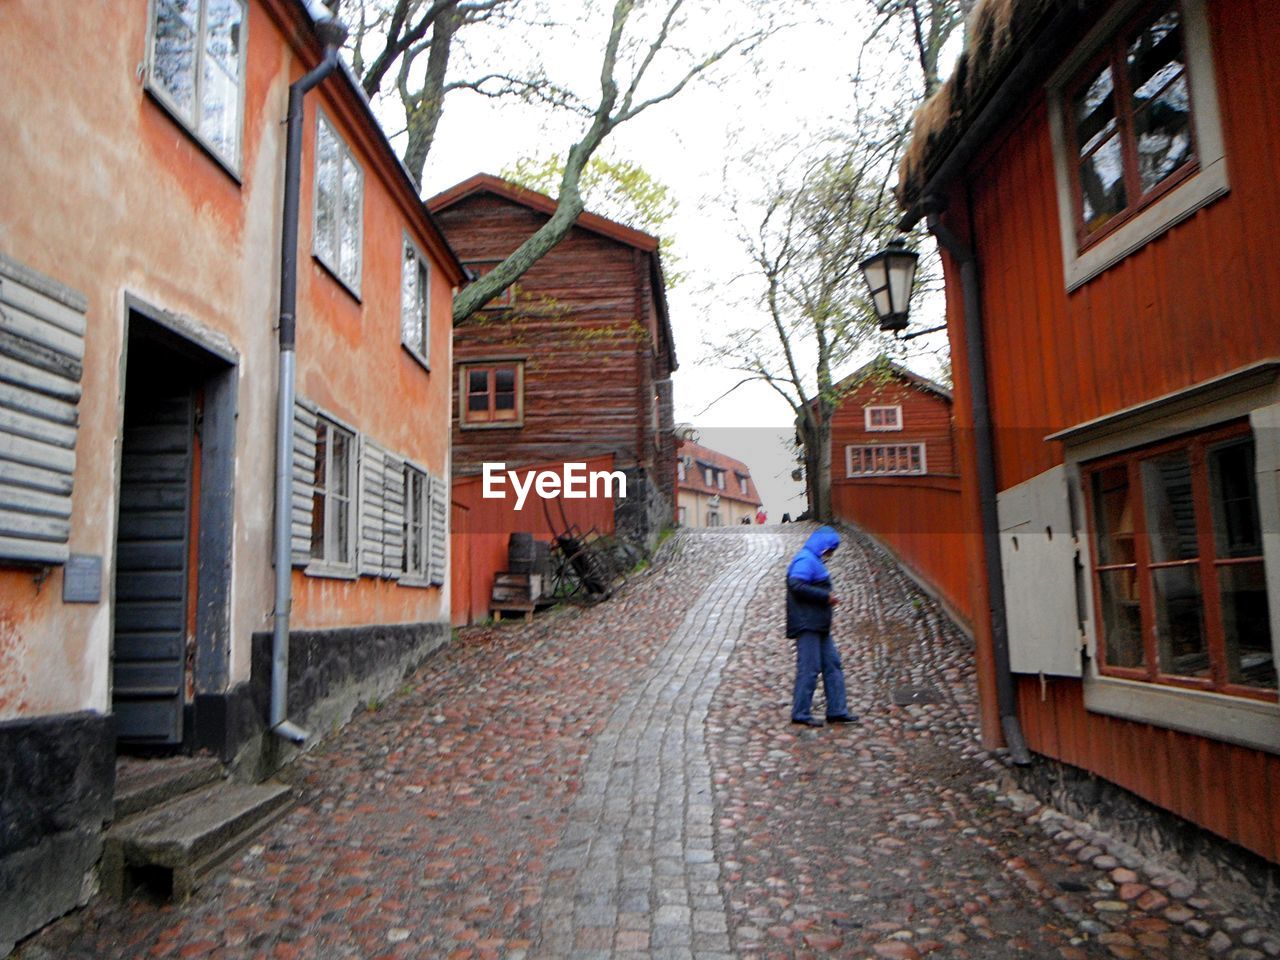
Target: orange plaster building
{"type": "Point", "coordinates": [140, 295]}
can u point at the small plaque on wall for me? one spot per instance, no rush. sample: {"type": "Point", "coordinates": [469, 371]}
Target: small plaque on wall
{"type": "Point", "coordinates": [82, 579]}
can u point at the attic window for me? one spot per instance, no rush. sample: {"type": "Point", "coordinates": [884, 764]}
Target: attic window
{"type": "Point", "coordinates": [1131, 121]}
{"type": "Point", "coordinates": [883, 418]}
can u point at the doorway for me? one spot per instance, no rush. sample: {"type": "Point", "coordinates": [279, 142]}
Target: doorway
{"type": "Point", "coordinates": [173, 535]}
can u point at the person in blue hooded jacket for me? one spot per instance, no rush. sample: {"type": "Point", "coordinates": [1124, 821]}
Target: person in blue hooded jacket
{"type": "Point", "coordinates": [809, 605]}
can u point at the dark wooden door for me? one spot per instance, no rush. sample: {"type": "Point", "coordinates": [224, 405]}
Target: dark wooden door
{"type": "Point", "coordinates": [153, 547]}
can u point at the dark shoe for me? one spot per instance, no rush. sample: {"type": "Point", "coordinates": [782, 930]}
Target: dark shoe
{"type": "Point", "coordinates": [847, 718]}
{"type": "Point", "coordinates": [810, 722]}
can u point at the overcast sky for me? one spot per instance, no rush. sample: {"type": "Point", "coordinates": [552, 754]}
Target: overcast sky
{"type": "Point", "coordinates": [798, 87]}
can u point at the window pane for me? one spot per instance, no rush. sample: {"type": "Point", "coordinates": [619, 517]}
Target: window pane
{"type": "Point", "coordinates": [174, 57]}
{"type": "Point", "coordinates": [1246, 625]}
{"type": "Point", "coordinates": [1102, 184]}
{"type": "Point", "coordinates": [222, 33]}
{"type": "Point", "coordinates": [1171, 509]}
{"type": "Point", "coordinates": [1095, 111]}
{"type": "Point", "coordinates": [477, 381]}
{"type": "Point", "coordinates": [504, 379]}
{"type": "Point", "coordinates": [326, 190]}
{"type": "Point", "coordinates": [410, 325]}
{"type": "Point", "coordinates": [1180, 637]}
{"type": "Point", "coordinates": [341, 479]}
{"type": "Point", "coordinates": [322, 448]}
{"type": "Point", "coordinates": [341, 531]}
{"type": "Point", "coordinates": [1122, 618]}
{"type": "Point", "coordinates": [350, 228]}
{"type": "Point", "coordinates": [318, 497]}
{"type": "Point", "coordinates": [1154, 57]}
{"type": "Point", "coordinates": [1163, 130]}
{"type": "Point", "coordinates": [1236, 530]}
{"type": "Point", "coordinates": [220, 110]}
{"type": "Point", "coordinates": [477, 402]}
{"type": "Point", "coordinates": [424, 306]}
{"type": "Point", "coordinates": [1113, 516]}
{"type": "Point", "coordinates": [504, 401]}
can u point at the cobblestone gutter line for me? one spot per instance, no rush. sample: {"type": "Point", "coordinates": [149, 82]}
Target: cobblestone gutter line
{"type": "Point", "coordinates": [639, 844]}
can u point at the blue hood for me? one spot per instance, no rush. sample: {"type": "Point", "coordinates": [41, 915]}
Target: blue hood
{"type": "Point", "coordinates": [807, 565]}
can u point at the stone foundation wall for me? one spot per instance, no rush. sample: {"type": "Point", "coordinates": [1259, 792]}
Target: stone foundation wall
{"type": "Point", "coordinates": [332, 673]}
{"type": "Point", "coordinates": [57, 778]}
{"type": "Point", "coordinates": [1232, 875]}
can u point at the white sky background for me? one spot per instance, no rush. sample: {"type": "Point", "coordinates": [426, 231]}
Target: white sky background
{"type": "Point", "coordinates": [797, 85]}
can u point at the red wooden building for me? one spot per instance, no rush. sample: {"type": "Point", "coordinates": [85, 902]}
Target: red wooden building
{"type": "Point", "coordinates": [572, 363]}
{"type": "Point", "coordinates": [1102, 179]}
{"type": "Point", "coordinates": [893, 474]}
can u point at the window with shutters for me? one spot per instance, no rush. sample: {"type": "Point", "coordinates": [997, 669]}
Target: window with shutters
{"type": "Point", "coordinates": [195, 69]}
{"type": "Point", "coordinates": [338, 202]}
{"type": "Point", "coordinates": [41, 362]}
{"type": "Point", "coordinates": [1178, 574]}
{"type": "Point", "coordinates": [415, 303]}
{"type": "Point", "coordinates": [417, 525]}
{"type": "Point", "coordinates": [491, 394]}
{"type": "Point", "coordinates": [333, 514]}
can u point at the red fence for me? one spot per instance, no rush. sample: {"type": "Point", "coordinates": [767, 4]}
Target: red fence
{"type": "Point", "coordinates": [482, 527]}
{"type": "Point", "coordinates": [918, 519]}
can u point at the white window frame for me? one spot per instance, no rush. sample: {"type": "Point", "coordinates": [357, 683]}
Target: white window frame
{"type": "Point", "coordinates": [720, 479]}
{"type": "Point", "coordinates": [1252, 392]}
{"type": "Point", "coordinates": [682, 516]}
{"type": "Point", "coordinates": [192, 122]}
{"type": "Point", "coordinates": [1198, 190]}
{"type": "Point", "coordinates": [851, 474]}
{"type": "Point", "coordinates": [417, 523]}
{"type": "Point", "coordinates": [867, 414]}
{"type": "Point", "coordinates": [742, 483]}
{"type": "Point", "coordinates": [345, 274]}
{"type": "Point", "coordinates": [420, 271]}
{"type": "Point", "coordinates": [327, 564]}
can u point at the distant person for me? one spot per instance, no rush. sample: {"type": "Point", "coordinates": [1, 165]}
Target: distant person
{"type": "Point", "coordinates": [761, 516]}
{"type": "Point", "coordinates": [809, 605]}
{"type": "Point", "coordinates": [786, 518]}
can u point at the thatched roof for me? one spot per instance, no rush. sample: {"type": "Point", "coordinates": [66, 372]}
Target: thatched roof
{"type": "Point", "coordinates": [997, 35]}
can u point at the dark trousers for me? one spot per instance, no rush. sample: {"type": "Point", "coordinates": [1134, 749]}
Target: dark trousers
{"type": "Point", "coordinates": [816, 653]}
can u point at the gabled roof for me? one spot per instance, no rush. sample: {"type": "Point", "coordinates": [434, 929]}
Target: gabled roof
{"type": "Point", "coordinates": [612, 229]}
{"type": "Point", "coordinates": [867, 370]}
{"type": "Point", "coordinates": [488, 183]}
{"type": "Point", "coordinates": [695, 482]}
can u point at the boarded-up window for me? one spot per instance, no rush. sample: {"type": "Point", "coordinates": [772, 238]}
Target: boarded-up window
{"type": "Point", "coordinates": [41, 355]}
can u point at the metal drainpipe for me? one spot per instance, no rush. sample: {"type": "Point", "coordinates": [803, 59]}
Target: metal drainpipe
{"type": "Point", "coordinates": [984, 448]}
{"type": "Point", "coordinates": [332, 33]}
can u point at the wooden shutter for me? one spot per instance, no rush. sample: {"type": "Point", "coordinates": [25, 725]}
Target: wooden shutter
{"type": "Point", "coordinates": [438, 530]}
{"type": "Point", "coordinates": [372, 498]}
{"type": "Point", "coordinates": [304, 472]}
{"type": "Point", "coordinates": [42, 328]}
{"type": "Point", "coordinates": [393, 517]}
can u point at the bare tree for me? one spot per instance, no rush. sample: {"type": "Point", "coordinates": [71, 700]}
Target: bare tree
{"type": "Point", "coordinates": [929, 25]}
{"type": "Point", "coordinates": [805, 244]}
{"type": "Point", "coordinates": [644, 63]}
{"type": "Point", "coordinates": [406, 47]}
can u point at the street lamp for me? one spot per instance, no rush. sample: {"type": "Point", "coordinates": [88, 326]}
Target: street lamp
{"type": "Point", "coordinates": [889, 275]}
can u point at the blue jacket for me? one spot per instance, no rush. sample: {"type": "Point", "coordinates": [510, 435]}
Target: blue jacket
{"type": "Point", "coordinates": [809, 585]}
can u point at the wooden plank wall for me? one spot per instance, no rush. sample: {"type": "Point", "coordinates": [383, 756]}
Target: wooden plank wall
{"type": "Point", "coordinates": [581, 323]}
{"type": "Point", "coordinates": [919, 520]}
{"type": "Point", "coordinates": [926, 418]}
{"type": "Point", "coordinates": [481, 529]}
{"type": "Point", "coordinates": [1198, 301]}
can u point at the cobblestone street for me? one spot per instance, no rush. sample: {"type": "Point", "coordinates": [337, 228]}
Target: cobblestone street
{"type": "Point", "coordinates": [623, 781]}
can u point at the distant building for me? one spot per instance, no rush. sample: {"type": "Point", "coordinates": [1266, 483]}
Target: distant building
{"type": "Point", "coordinates": [893, 474]}
{"type": "Point", "coordinates": [715, 490]}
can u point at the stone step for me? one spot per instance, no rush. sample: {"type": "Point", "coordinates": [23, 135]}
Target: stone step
{"type": "Point", "coordinates": [142, 784]}
{"type": "Point", "coordinates": [169, 849]}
